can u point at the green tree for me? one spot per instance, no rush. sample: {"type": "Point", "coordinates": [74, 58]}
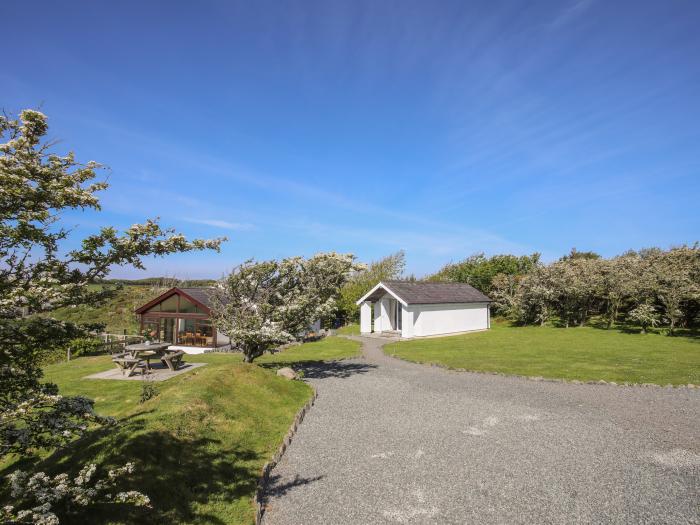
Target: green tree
{"type": "Point", "coordinates": [38, 274]}
{"type": "Point", "coordinates": [675, 280]}
{"type": "Point", "coordinates": [261, 305]}
{"type": "Point", "coordinates": [575, 254]}
{"type": "Point", "coordinates": [619, 283]}
{"type": "Point", "coordinates": [479, 270]}
{"type": "Point", "coordinates": [388, 268]}
{"type": "Point", "coordinates": [645, 316]}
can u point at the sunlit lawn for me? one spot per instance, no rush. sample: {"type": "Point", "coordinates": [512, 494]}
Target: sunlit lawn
{"type": "Point", "coordinates": [327, 349]}
{"type": "Point", "coordinates": [582, 353]}
{"type": "Point", "coordinates": [200, 444]}
{"type": "Point", "coordinates": [349, 329]}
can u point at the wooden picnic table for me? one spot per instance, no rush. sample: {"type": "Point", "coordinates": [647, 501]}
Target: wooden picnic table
{"type": "Point", "coordinates": [143, 347]}
{"type": "Point", "coordinates": [143, 353]}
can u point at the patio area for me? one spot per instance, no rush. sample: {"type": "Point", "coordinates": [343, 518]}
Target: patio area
{"type": "Point", "coordinates": [158, 372]}
{"type": "Point", "coordinates": [154, 361]}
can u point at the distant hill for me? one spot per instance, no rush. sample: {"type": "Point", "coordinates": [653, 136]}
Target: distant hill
{"type": "Point", "coordinates": [160, 282]}
{"type": "Point", "coordinates": [118, 313]}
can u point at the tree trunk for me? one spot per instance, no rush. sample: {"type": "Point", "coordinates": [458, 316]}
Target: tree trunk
{"type": "Point", "coordinates": [612, 314]}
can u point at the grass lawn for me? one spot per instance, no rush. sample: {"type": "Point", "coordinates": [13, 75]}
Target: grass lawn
{"type": "Point", "coordinates": [349, 329]}
{"type": "Point", "coordinates": [326, 349]}
{"type": "Point", "coordinates": [199, 446]}
{"type": "Point", "coordinates": [583, 353]}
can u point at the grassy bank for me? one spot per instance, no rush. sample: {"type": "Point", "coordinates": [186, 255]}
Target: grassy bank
{"type": "Point", "coordinates": [200, 444]}
{"type": "Point", "coordinates": [582, 353]}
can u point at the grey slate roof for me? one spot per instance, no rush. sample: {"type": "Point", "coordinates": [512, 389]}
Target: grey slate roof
{"type": "Point", "coordinates": [435, 293]}
{"type": "Point", "coordinates": [200, 294]}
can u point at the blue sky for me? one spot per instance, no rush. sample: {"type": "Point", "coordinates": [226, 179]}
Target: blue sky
{"type": "Point", "coordinates": [441, 128]}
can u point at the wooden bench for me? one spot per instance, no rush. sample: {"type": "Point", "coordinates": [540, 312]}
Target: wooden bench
{"type": "Point", "coordinates": [130, 365]}
{"type": "Point", "coordinates": [173, 359]}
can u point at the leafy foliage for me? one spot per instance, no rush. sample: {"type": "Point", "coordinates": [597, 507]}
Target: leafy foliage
{"type": "Point", "coordinates": [576, 287]}
{"type": "Point", "coordinates": [261, 305]}
{"type": "Point", "coordinates": [479, 271]}
{"type": "Point", "coordinates": [45, 498]}
{"type": "Point", "coordinates": [148, 391]}
{"type": "Point", "coordinates": [85, 346]}
{"type": "Point", "coordinates": [386, 269]}
{"type": "Point", "coordinates": [37, 274]}
{"type": "Point", "coordinates": [645, 316]}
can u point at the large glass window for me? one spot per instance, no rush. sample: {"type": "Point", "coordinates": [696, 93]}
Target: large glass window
{"type": "Point", "coordinates": [187, 307]}
{"type": "Point", "coordinates": [170, 304]}
{"type": "Point", "coordinates": [206, 332]}
{"type": "Point", "coordinates": [151, 327]}
{"type": "Point", "coordinates": [195, 332]}
{"type": "Point", "coordinates": [167, 330]}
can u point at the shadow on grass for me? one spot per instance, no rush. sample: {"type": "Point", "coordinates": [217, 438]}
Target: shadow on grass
{"type": "Point", "coordinates": [323, 369]}
{"type": "Point", "coordinates": [179, 473]}
{"type": "Point", "coordinates": [601, 324]}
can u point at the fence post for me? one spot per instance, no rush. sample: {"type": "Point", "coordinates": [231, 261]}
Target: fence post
{"type": "Point", "coordinates": [68, 354]}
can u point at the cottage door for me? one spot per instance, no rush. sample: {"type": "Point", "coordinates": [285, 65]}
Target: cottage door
{"type": "Point", "coordinates": [168, 332]}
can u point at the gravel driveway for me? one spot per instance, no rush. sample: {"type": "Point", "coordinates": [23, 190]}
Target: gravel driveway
{"type": "Point", "coordinates": [395, 442]}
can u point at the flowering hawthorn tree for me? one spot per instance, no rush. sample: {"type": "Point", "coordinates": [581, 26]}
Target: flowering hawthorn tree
{"type": "Point", "coordinates": [36, 186]}
{"type": "Point", "coordinates": [42, 494]}
{"type": "Point", "coordinates": [261, 305]}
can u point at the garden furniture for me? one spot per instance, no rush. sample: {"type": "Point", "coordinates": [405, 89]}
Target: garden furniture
{"type": "Point", "coordinates": [172, 359]}
{"type": "Point", "coordinates": [130, 365]}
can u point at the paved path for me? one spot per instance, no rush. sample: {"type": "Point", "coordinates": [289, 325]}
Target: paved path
{"type": "Point", "coordinates": [395, 442]}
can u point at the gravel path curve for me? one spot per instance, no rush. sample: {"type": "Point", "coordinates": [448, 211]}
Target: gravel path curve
{"type": "Point", "coordinates": [394, 442]}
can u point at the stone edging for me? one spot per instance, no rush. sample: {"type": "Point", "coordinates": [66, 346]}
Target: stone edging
{"type": "Point", "coordinates": [258, 498]}
{"type": "Point", "coordinates": [544, 379]}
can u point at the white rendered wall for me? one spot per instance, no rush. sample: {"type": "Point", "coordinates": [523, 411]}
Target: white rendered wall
{"type": "Point", "coordinates": [222, 339]}
{"type": "Point", "coordinates": [384, 314]}
{"type": "Point", "coordinates": [365, 317]}
{"type": "Point", "coordinates": [406, 321]}
{"type": "Point", "coordinates": [436, 319]}
{"type": "Point", "coordinates": [377, 313]}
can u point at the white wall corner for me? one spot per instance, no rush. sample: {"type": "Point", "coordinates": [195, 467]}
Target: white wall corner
{"type": "Point", "coordinates": [377, 313]}
{"type": "Point", "coordinates": [407, 326]}
{"type": "Point", "coordinates": [366, 317]}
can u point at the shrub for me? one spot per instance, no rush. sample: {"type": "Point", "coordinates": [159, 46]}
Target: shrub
{"type": "Point", "coordinates": [148, 391]}
{"type": "Point", "coordinates": [85, 346]}
{"type": "Point", "coordinates": [645, 316]}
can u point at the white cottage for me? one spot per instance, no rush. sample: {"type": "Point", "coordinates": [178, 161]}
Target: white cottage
{"type": "Point", "coordinates": [419, 309]}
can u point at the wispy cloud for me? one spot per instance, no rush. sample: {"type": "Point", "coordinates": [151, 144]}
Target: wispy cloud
{"type": "Point", "coordinates": [570, 12]}
{"type": "Point", "coordinates": [221, 169]}
{"type": "Point", "coordinates": [225, 225]}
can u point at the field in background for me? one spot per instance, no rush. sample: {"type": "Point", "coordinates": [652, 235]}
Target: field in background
{"type": "Point", "coordinates": [582, 353]}
{"type": "Point", "coordinates": [117, 313]}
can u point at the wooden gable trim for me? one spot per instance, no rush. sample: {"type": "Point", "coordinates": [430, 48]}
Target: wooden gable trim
{"type": "Point", "coordinates": [165, 295]}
